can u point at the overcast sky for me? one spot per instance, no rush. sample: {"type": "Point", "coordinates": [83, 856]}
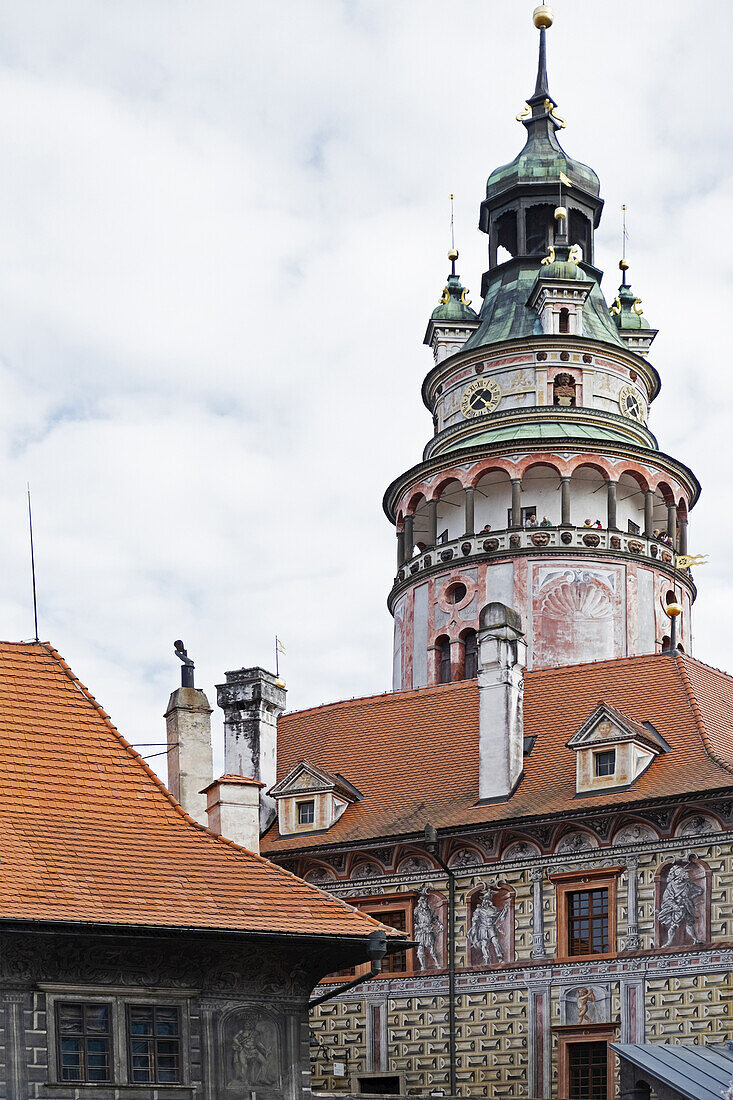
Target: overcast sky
{"type": "Point", "coordinates": [223, 226]}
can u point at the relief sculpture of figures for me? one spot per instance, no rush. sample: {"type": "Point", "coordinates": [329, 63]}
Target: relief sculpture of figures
{"type": "Point", "coordinates": [586, 1004]}
{"type": "Point", "coordinates": [483, 933]}
{"type": "Point", "coordinates": [253, 1054]}
{"type": "Point", "coordinates": [679, 903]}
{"type": "Point", "coordinates": [427, 926]}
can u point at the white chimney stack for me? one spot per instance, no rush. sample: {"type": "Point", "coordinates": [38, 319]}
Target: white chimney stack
{"type": "Point", "coordinates": [233, 808]}
{"type": "Point", "coordinates": [188, 735]}
{"type": "Point", "coordinates": [502, 660]}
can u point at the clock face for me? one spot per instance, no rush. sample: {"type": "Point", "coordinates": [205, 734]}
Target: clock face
{"type": "Point", "coordinates": [482, 396]}
{"type": "Point", "coordinates": [632, 403]}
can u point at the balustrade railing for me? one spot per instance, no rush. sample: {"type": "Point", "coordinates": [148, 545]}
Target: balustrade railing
{"type": "Point", "coordinates": [572, 539]}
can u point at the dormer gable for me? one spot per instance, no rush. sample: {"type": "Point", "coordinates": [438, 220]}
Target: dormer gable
{"type": "Point", "coordinates": [612, 750]}
{"type": "Point", "coordinates": [310, 799]}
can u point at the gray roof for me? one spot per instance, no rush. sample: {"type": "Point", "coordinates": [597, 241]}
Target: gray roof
{"type": "Point", "coordinates": [695, 1072]}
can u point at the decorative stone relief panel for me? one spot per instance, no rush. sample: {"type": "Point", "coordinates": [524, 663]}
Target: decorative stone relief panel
{"type": "Point", "coordinates": [250, 1046]}
{"type": "Point", "coordinates": [464, 858]}
{"type": "Point", "coordinates": [697, 825]}
{"type": "Point", "coordinates": [586, 1004]}
{"type": "Point", "coordinates": [521, 849]}
{"type": "Point", "coordinates": [576, 842]}
{"type": "Point", "coordinates": [429, 925]}
{"type": "Point", "coordinates": [491, 924]}
{"type": "Point", "coordinates": [683, 903]}
{"type": "Point", "coordinates": [635, 833]}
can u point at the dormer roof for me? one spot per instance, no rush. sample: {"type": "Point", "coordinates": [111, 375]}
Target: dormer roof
{"type": "Point", "coordinates": [609, 726]}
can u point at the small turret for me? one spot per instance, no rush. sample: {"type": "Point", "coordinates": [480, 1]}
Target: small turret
{"type": "Point", "coordinates": [453, 320]}
{"type": "Point", "coordinates": [632, 325]}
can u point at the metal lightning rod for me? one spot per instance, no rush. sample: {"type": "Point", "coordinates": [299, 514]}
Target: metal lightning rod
{"type": "Point", "coordinates": [33, 563]}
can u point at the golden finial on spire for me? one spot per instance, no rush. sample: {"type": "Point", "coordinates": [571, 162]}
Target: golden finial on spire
{"type": "Point", "coordinates": [543, 17]}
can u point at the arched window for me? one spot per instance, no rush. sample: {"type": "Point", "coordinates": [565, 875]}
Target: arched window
{"type": "Point", "coordinates": [563, 390]}
{"type": "Point", "coordinates": [470, 655]}
{"type": "Point", "coordinates": [564, 320]}
{"type": "Point", "coordinates": [444, 654]}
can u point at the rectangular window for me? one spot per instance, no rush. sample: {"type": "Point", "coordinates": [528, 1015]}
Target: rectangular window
{"type": "Point", "coordinates": [587, 1071]}
{"type": "Point", "coordinates": [154, 1044]}
{"type": "Point", "coordinates": [605, 762]}
{"type": "Point", "coordinates": [588, 922]}
{"type": "Point", "coordinates": [396, 918]}
{"type": "Point", "coordinates": [442, 537]}
{"type": "Point", "coordinates": [634, 528]}
{"type": "Point", "coordinates": [306, 812]}
{"type": "Point", "coordinates": [84, 1042]}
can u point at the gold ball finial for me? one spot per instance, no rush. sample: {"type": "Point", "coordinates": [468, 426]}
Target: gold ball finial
{"type": "Point", "coordinates": [453, 254]}
{"type": "Point", "coordinates": [673, 610]}
{"type": "Point", "coordinates": [543, 17]}
{"type": "Point", "coordinates": [560, 213]}
{"type": "Point", "coordinates": [623, 265]}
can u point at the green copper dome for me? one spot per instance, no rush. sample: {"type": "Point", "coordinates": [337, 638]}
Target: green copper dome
{"type": "Point", "coordinates": [454, 305]}
{"type": "Point", "coordinates": [542, 160]}
{"type": "Point", "coordinates": [626, 311]}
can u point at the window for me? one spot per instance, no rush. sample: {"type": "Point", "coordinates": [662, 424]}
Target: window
{"type": "Point", "coordinates": [395, 918]}
{"type": "Point", "coordinates": [306, 812]}
{"type": "Point", "coordinates": [442, 537]}
{"type": "Point", "coordinates": [84, 1042]}
{"type": "Point", "coordinates": [587, 1071]}
{"type": "Point", "coordinates": [154, 1044]}
{"type": "Point", "coordinates": [457, 593]}
{"type": "Point", "coordinates": [564, 320]}
{"type": "Point", "coordinates": [525, 515]}
{"type": "Point", "coordinates": [588, 922]}
{"type": "Point", "coordinates": [634, 528]}
{"type": "Point", "coordinates": [444, 652]}
{"type": "Point", "coordinates": [470, 652]}
{"type": "Point", "coordinates": [605, 762]}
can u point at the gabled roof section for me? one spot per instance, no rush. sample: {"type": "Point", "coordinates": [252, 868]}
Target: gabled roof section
{"type": "Point", "coordinates": [88, 833]}
{"type": "Point", "coordinates": [306, 778]}
{"type": "Point", "coordinates": [414, 754]}
{"type": "Point", "coordinates": [619, 728]}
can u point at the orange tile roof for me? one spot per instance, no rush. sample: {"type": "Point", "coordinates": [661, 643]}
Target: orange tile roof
{"type": "Point", "coordinates": [414, 755]}
{"type": "Point", "coordinates": [88, 833]}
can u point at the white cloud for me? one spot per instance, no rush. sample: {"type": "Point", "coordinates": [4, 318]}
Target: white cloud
{"type": "Point", "coordinates": [222, 229]}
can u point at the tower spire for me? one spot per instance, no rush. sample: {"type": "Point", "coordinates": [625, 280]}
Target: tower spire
{"type": "Point", "coordinates": [543, 18]}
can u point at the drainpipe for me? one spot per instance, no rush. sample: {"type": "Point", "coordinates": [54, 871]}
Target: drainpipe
{"type": "Point", "coordinates": [431, 845]}
{"type": "Point", "coordinates": [376, 950]}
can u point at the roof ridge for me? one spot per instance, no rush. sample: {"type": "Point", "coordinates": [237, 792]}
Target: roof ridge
{"type": "Point", "coordinates": [679, 660]}
{"type": "Point", "coordinates": [256, 856]}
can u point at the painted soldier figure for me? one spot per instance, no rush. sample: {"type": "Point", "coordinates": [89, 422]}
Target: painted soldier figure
{"type": "Point", "coordinates": [426, 928]}
{"type": "Point", "coordinates": [679, 903]}
{"type": "Point", "coordinates": [483, 933]}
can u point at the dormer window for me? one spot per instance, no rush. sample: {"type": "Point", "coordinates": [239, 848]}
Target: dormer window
{"type": "Point", "coordinates": [310, 799]}
{"type": "Point", "coordinates": [612, 750]}
{"type": "Point", "coordinates": [605, 762]}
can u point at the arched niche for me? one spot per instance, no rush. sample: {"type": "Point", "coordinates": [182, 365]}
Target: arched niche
{"type": "Point", "coordinates": [682, 903]}
{"type": "Point", "coordinates": [319, 875]}
{"type": "Point", "coordinates": [250, 1050]}
{"type": "Point", "coordinates": [521, 849]}
{"type": "Point", "coordinates": [482, 949]}
{"type": "Point", "coordinates": [465, 858]}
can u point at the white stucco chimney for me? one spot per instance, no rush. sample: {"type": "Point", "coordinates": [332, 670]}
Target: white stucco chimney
{"type": "Point", "coordinates": [502, 658]}
{"type": "Point", "coordinates": [252, 700]}
{"type": "Point", "coordinates": [233, 808]}
{"type": "Point", "coordinates": [188, 736]}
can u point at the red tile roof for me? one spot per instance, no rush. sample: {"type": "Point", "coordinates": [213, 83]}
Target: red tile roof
{"type": "Point", "coordinates": [414, 755]}
{"type": "Point", "coordinates": [88, 833]}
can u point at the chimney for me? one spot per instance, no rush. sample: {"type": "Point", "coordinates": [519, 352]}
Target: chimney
{"type": "Point", "coordinates": [252, 700]}
{"type": "Point", "coordinates": [501, 664]}
{"type": "Point", "coordinates": [233, 808]}
{"type": "Point", "coordinates": [188, 734]}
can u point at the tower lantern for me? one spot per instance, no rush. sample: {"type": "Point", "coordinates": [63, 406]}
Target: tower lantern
{"type": "Point", "coordinates": [542, 487]}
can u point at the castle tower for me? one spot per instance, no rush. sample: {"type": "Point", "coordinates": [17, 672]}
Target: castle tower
{"type": "Point", "coordinates": [539, 408]}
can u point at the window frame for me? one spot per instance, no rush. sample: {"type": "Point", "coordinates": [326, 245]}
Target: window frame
{"type": "Point", "coordinates": [597, 754]}
{"type": "Point", "coordinates": [83, 1003]}
{"type": "Point", "coordinates": [571, 882]}
{"type": "Point", "coordinates": [300, 802]}
{"type": "Point", "coordinates": [376, 905]}
{"type": "Point", "coordinates": [570, 1034]}
{"type": "Point", "coordinates": [152, 1006]}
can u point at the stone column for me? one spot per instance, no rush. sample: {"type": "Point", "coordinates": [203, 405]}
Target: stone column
{"type": "Point", "coordinates": [682, 548]}
{"type": "Point", "coordinates": [516, 502]}
{"type": "Point", "coordinates": [633, 940]}
{"type": "Point", "coordinates": [648, 512]}
{"type": "Point", "coordinates": [565, 501]}
{"type": "Point", "coordinates": [432, 522]}
{"type": "Point", "coordinates": [538, 915]}
{"type": "Point", "coordinates": [672, 523]}
{"type": "Point", "coordinates": [15, 1060]}
{"type": "Point", "coordinates": [400, 548]}
{"type": "Point", "coordinates": [409, 536]}
{"type": "Point", "coordinates": [470, 522]}
{"type": "Point", "coordinates": [611, 487]}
